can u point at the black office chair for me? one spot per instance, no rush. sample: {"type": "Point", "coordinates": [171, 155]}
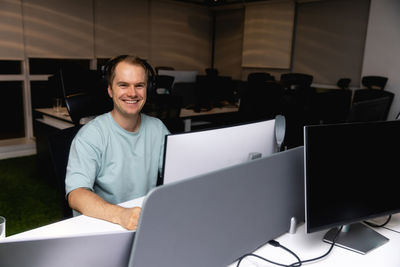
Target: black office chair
{"type": "Point", "coordinates": [293, 81]}
{"type": "Point", "coordinates": [370, 110]}
{"type": "Point", "coordinates": [59, 144]}
{"type": "Point", "coordinates": [343, 83]}
{"type": "Point", "coordinates": [370, 94]}
{"type": "Point", "coordinates": [167, 108]}
{"type": "Point", "coordinates": [84, 92]}
{"type": "Point", "coordinates": [297, 105]}
{"type": "Point", "coordinates": [164, 82]}
{"type": "Point", "coordinates": [204, 92]}
{"type": "Point", "coordinates": [331, 106]}
{"type": "Point", "coordinates": [374, 82]}
{"type": "Point", "coordinates": [260, 77]}
{"type": "Point", "coordinates": [212, 71]}
{"type": "Point", "coordinates": [264, 101]}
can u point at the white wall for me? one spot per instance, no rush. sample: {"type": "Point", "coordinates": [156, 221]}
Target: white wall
{"type": "Point", "coordinates": [382, 47]}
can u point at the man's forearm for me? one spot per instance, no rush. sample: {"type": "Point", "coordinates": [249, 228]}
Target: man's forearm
{"type": "Point", "coordinates": [90, 204]}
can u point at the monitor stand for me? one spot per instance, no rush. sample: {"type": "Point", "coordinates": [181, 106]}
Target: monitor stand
{"type": "Point", "coordinates": [356, 237]}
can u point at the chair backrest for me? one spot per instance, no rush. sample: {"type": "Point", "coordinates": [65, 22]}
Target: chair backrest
{"type": "Point", "coordinates": [164, 82]}
{"type": "Point", "coordinates": [84, 92]}
{"type": "Point", "coordinates": [84, 105]}
{"type": "Point", "coordinates": [59, 144]}
{"type": "Point", "coordinates": [343, 83]}
{"type": "Point", "coordinates": [260, 77]}
{"type": "Point", "coordinates": [187, 91]}
{"type": "Point", "coordinates": [167, 108]}
{"type": "Point", "coordinates": [331, 106]}
{"type": "Point", "coordinates": [370, 94]}
{"type": "Point", "coordinates": [370, 110]}
{"type": "Point", "coordinates": [374, 82]}
{"type": "Point", "coordinates": [212, 71]}
{"type": "Point", "coordinates": [204, 92]}
{"type": "Point", "coordinates": [296, 80]}
{"type": "Point", "coordinates": [262, 102]}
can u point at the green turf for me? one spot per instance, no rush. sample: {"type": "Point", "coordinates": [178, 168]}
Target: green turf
{"type": "Point", "coordinates": [27, 200]}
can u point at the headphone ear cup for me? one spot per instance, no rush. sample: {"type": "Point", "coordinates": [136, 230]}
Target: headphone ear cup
{"type": "Point", "coordinates": [151, 83]}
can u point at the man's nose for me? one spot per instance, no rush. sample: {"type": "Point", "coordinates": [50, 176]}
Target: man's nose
{"type": "Point", "coordinates": [132, 91]}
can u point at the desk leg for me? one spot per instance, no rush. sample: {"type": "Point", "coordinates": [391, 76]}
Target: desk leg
{"type": "Point", "coordinates": [188, 124]}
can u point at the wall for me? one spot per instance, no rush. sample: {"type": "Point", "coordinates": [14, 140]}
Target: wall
{"type": "Point", "coordinates": [382, 47]}
{"type": "Point", "coordinates": [330, 38]}
{"type": "Point", "coordinates": [164, 32]}
{"type": "Point", "coordinates": [180, 35]}
{"type": "Point", "coordinates": [228, 42]}
{"type": "Point", "coordinates": [328, 41]}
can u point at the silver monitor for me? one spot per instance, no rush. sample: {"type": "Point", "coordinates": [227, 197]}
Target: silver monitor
{"type": "Point", "coordinates": [194, 153]}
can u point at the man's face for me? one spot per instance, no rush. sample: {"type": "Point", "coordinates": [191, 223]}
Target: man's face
{"type": "Point", "coordinates": [128, 89]}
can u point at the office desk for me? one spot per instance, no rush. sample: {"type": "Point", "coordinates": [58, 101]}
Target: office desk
{"type": "Point", "coordinates": [78, 225]}
{"type": "Point", "coordinates": [308, 246]}
{"type": "Point", "coordinates": [189, 114]}
{"type": "Point", "coordinates": [59, 120]}
{"type": "Point", "coordinates": [47, 122]}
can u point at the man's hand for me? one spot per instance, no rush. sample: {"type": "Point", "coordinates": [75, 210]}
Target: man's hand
{"type": "Point", "coordinates": [129, 218]}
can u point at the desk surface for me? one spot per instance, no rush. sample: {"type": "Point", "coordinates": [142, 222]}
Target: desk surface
{"type": "Point", "coordinates": [59, 120]}
{"type": "Point", "coordinates": [78, 225]}
{"type": "Point", "coordinates": [306, 246]}
{"type": "Point", "coordinates": [62, 115]}
{"type": "Point", "coordinates": [187, 113]}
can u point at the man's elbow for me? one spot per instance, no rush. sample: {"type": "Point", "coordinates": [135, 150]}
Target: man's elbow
{"type": "Point", "coordinates": [73, 198]}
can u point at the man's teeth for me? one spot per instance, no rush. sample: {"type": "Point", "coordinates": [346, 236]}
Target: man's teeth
{"type": "Point", "coordinates": [131, 101]}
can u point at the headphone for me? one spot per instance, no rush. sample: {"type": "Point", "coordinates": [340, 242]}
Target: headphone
{"type": "Point", "coordinates": [109, 68]}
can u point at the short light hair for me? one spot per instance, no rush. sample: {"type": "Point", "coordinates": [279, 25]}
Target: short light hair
{"type": "Point", "coordinates": [134, 60]}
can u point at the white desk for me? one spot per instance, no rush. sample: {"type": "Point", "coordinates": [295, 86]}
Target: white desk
{"type": "Point", "coordinates": [188, 114]}
{"type": "Point", "coordinates": [59, 120]}
{"type": "Point", "coordinates": [78, 225]}
{"type": "Point", "coordinates": [308, 246]}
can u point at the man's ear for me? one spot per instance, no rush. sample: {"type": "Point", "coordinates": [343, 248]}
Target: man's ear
{"type": "Point", "coordinates": [110, 92]}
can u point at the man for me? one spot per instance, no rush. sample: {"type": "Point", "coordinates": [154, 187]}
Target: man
{"type": "Point", "coordinates": [117, 156]}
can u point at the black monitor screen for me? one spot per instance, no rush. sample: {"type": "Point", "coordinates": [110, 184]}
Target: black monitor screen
{"type": "Point", "coordinates": [351, 172]}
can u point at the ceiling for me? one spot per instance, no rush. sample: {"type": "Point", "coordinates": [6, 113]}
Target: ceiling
{"type": "Point", "coordinates": [218, 2]}
{"type": "Point", "coordinates": [213, 3]}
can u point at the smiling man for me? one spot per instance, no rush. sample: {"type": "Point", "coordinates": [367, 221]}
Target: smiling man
{"type": "Point", "coordinates": [117, 156]}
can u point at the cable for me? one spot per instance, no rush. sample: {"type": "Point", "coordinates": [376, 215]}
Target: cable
{"type": "Point", "coordinates": [391, 230]}
{"type": "Point", "coordinates": [275, 244]}
{"type": "Point", "coordinates": [379, 225]}
{"type": "Point", "coordinates": [324, 255]}
{"type": "Point", "coordinates": [383, 224]}
{"type": "Point", "coordinates": [298, 262]}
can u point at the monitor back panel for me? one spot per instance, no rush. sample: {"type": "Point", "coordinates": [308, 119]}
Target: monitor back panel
{"type": "Point", "coordinates": [194, 153]}
{"type": "Point", "coordinates": [213, 219]}
{"type": "Point", "coordinates": [100, 250]}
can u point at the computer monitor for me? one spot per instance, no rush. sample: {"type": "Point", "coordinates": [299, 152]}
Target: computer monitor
{"type": "Point", "coordinates": [180, 75]}
{"type": "Point", "coordinates": [351, 175]}
{"type": "Point", "coordinates": [198, 152]}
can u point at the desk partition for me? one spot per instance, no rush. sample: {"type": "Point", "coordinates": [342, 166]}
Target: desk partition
{"type": "Point", "coordinates": [214, 218]}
